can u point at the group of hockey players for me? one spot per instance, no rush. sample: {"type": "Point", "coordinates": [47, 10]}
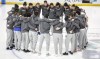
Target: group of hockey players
{"type": "Point", "coordinates": [25, 26]}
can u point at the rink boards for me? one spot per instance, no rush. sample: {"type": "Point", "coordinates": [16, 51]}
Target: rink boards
{"type": "Point", "coordinates": [77, 2]}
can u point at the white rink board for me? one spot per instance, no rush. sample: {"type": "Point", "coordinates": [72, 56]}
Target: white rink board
{"type": "Point", "coordinates": [41, 1]}
{"type": "Point", "coordinates": [54, 1]}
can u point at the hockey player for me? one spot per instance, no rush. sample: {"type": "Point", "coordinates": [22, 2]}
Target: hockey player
{"type": "Point", "coordinates": [52, 13]}
{"type": "Point", "coordinates": [37, 9]}
{"type": "Point", "coordinates": [30, 9]}
{"type": "Point", "coordinates": [44, 27]}
{"type": "Point", "coordinates": [85, 20]}
{"type": "Point", "coordinates": [9, 30]}
{"type": "Point", "coordinates": [45, 9]}
{"type": "Point", "coordinates": [67, 11]}
{"type": "Point", "coordinates": [17, 31]}
{"type": "Point", "coordinates": [86, 27]}
{"type": "Point", "coordinates": [59, 11]}
{"type": "Point", "coordinates": [10, 19]}
{"type": "Point", "coordinates": [23, 9]}
{"type": "Point", "coordinates": [82, 31]}
{"type": "Point", "coordinates": [25, 32]}
{"type": "Point", "coordinates": [77, 30]}
{"type": "Point", "coordinates": [33, 35]}
{"type": "Point", "coordinates": [52, 16]}
{"type": "Point", "coordinates": [70, 28]}
{"type": "Point", "coordinates": [57, 36]}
